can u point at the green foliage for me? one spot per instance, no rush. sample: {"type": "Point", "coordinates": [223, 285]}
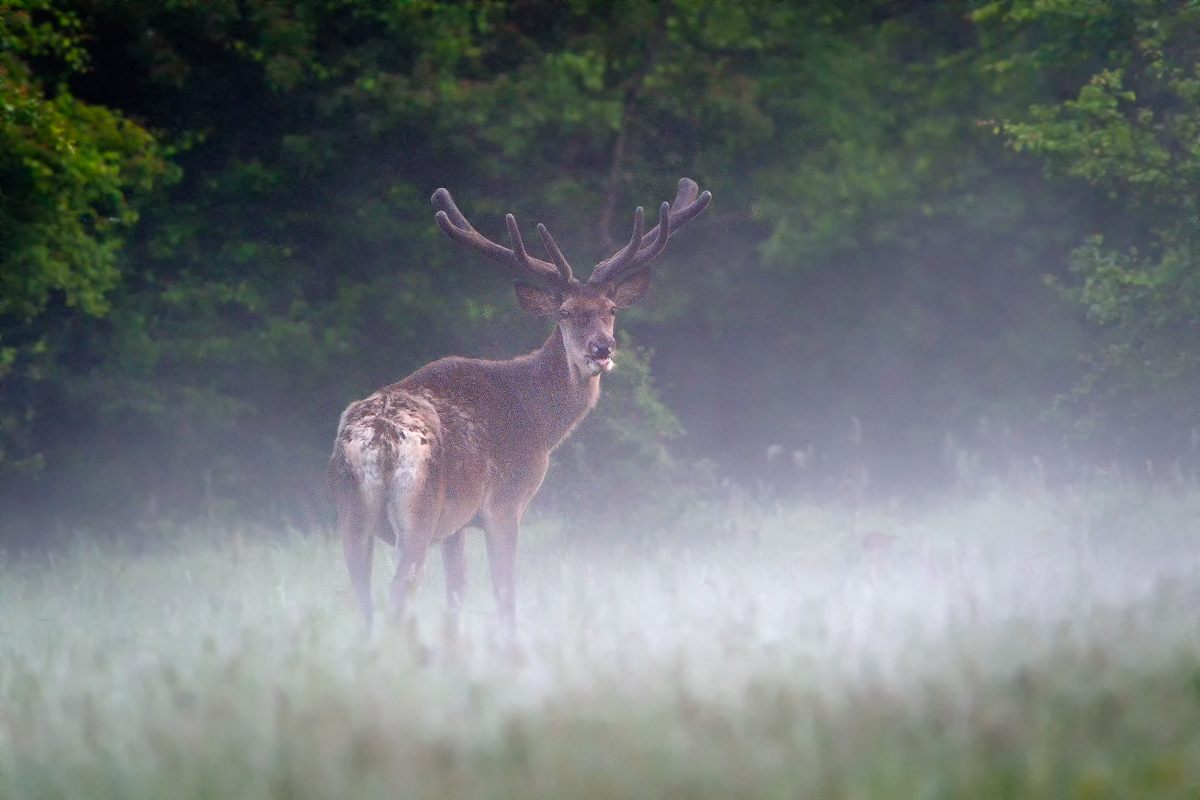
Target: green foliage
{"type": "Point", "coordinates": [295, 267]}
{"type": "Point", "coordinates": [619, 471]}
{"type": "Point", "coordinates": [71, 172]}
{"type": "Point", "coordinates": [1144, 372]}
{"type": "Point", "coordinates": [1134, 132]}
{"type": "Point", "coordinates": [72, 175]}
{"type": "Point", "coordinates": [898, 272]}
{"type": "Point", "coordinates": [1105, 137]}
{"type": "Point", "coordinates": [874, 251]}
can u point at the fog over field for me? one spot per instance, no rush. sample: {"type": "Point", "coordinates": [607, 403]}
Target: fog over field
{"type": "Point", "coordinates": [1008, 645]}
{"type": "Point", "coordinates": [891, 490]}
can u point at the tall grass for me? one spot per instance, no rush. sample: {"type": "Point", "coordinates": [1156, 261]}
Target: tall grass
{"type": "Point", "coordinates": [1015, 645]}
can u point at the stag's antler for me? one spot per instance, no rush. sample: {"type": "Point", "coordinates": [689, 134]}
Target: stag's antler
{"type": "Point", "coordinates": [517, 259]}
{"type": "Point", "coordinates": [689, 202]}
{"type": "Point", "coordinates": [641, 249]}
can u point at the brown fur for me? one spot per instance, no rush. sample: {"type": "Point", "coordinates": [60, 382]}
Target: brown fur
{"type": "Point", "coordinates": [470, 441]}
{"type": "Point", "coordinates": [464, 441]}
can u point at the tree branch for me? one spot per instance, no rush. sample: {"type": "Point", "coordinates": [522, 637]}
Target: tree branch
{"type": "Point", "coordinates": [633, 91]}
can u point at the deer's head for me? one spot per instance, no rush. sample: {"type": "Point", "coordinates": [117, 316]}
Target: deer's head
{"type": "Point", "coordinates": [585, 310]}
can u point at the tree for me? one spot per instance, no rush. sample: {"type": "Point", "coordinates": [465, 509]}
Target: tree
{"type": "Point", "coordinates": [873, 261]}
{"type": "Point", "coordinates": [72, 176]}
{"type": "Point", "coordinates": [294, 266]}
{"type": "Point", "coordinates": [1133, 132]}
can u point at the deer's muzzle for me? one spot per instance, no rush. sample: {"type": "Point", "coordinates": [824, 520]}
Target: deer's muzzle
{"type": "Point", "coordinates": [600, 353]}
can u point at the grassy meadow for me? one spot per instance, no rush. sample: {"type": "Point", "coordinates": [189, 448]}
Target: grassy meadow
{"type": "Point", "coordinates": [1012, 645]}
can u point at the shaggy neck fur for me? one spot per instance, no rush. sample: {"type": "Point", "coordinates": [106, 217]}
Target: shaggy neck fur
{"type": "Point", "coordinates": [564, 393]}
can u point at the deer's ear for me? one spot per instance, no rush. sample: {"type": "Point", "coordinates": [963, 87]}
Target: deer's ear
{"type": "Point", "coordinates": [536, 301]}
{"type": "Point", "coordinates": [632, 289]}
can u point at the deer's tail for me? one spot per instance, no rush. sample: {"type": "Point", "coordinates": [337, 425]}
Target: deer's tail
{"type": "Point", "coordinates": [380, 460]}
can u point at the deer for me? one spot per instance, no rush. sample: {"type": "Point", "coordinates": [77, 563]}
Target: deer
{"type": "Point", "coordinates": [465, 442]}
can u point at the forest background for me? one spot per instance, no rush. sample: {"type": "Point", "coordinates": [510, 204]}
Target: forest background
{"type": "Point", "coordinates": [950, 242]}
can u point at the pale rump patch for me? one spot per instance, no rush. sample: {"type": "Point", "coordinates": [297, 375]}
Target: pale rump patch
{"type": "Point", "coordinates": [386, 442]}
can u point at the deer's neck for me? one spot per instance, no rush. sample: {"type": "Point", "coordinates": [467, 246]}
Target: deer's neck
{"type": "Point", "coordinates": [560, 395]}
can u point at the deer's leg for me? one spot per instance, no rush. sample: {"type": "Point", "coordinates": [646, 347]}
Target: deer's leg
{"type": "Point", "coordinates": [502, 534]}
{"type": "Point", "coordinates": [409, 569]}
{"type": "Point", "coordinates": [412, 518]}
{"type": "Point", "coordinates": [454, 559]}
{"type": "Point", "coordinates": [358, 534]}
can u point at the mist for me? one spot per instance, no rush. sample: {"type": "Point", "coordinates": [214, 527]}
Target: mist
{"type": "Point", "coordinates": [892, 491]}
{"type": "Point", "coordinates": [1026, 642]}
{"type": "Point", "coordinates": [907, 284]}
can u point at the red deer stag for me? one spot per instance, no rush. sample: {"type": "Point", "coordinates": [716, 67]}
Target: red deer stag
{"type": "Point", "coordinates": [463, 440]}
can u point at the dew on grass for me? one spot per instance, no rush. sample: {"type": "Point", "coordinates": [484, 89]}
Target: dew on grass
{"type": "Point", "coordinates": [963, 651]}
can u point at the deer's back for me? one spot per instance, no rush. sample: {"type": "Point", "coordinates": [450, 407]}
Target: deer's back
{"type": "Point", "coordinates": [453, 432]}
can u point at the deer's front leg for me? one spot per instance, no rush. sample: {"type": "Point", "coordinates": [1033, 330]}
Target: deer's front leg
{"type": "Point", "coordinates": [502, 535]}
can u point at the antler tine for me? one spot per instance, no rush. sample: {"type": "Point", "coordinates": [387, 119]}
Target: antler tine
{"type": "Point", "coordinates": [564, 269]}
{"type": "Point", "coordinates": [518, 244]}
{"type": "Point", "coordinates": [455, 225]}
{"type": "Point", "coordinates": [686, 193]}
{"type": "Point", "coordinates": [618, 263]}
{"type": "Point", "coordinates": [685, 208]}
{"type": "Point", "coordinates": [689, 202]}
{"type": "Point", "coordinates": [643, 256]}
{"type": "Point", "coordinates": [655, 247]}
{"type": "Point", "coordinates": [444, 202]}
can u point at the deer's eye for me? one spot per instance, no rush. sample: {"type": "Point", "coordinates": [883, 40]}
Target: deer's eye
{"type": "Point", "coordinates": [612, 312]}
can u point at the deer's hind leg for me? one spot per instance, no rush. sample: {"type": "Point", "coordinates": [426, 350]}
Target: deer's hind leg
{"type": "Point", "coordinates": [413, 515]}
{"type": "Point", "coordinates": [454, 559]}
{"type": "Point", "coordinates": [359, 522]}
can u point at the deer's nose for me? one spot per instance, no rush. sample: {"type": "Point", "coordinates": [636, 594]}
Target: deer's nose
{"type": "Point", "coordinates": [601, 348]}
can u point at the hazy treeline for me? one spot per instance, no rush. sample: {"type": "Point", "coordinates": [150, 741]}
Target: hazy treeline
{"type": "Point", "coordinates": [945, 236]}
